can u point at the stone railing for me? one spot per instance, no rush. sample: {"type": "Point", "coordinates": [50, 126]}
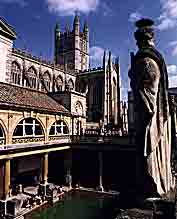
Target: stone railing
{"type": "Point", "coordinates": [117, 140]}
{"type": "Point", "coordinates": [60, 138]}
{"type": "Point", "coordinates": [23, 140]}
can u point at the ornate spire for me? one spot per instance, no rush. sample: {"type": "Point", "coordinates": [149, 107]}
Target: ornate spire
{"type": "Point", "coordinates": [109, 59]}
{"type": "Point", "coordinates": [86, 29]}
{"type": "Point", "coordinates": [117, 61]}
{"type": "Point", "coordinates": [57, 28]}
{"type": "Point", "coordinates": [104, 59]}
{"type": "Point", "coordinates": [67, 30]}
{"type": "Point", "coordinates": [76, 24]}
{"type": "Point", "coordinates": [76, 19]}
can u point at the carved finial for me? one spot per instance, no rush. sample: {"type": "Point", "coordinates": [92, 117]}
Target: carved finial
{"type": "Point", "coordinates": [57, 27]}
{"type": "Point", "coordinates": [86, 29]}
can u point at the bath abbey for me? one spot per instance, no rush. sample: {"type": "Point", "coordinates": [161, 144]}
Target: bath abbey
{"type": "Point", "coordinates": [67, 135]}
{"type": "Point", "coordinates": [47, 107]}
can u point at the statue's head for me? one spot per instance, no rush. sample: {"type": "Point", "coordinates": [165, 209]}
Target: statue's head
{"type": "Point", "coordinates": [144, 35]}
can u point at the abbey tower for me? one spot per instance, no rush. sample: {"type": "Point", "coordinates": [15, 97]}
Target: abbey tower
{"type": "Point", "coordinates": [72, 47]}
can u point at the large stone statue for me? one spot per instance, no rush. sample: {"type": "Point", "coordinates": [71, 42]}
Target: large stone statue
{"type": "Point", "coordinates": [149, 83]}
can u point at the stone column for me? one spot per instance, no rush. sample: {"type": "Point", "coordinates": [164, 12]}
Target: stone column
{"type": "Point", "coordinates": [44, 168]}
{"type": "Point", "coordinates": [68, 167]}
{"type": "Point", "coordinates": [5, 185]}
{"type": "Point", "coordinates": [44, 175]}
{"type": "Point", "coordinates": [6, 179]}
{"type": "Point", "coordinates": [100, 158]}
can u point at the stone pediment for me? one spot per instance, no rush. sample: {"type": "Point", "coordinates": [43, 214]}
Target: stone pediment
{"type": "Point", "coordinates": [6, 30]}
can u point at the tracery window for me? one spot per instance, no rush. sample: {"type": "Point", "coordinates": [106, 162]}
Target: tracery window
{"type": "Point", "coordinates": [32, 76]}
{"type": "Point", "coordinates": [46, 81]}
{"type": "Point", "coordinates": [15, 73]}
{"type": "Point", "coordinates": [114, 99]}
{"type": "Point", "coordinates": [28, 127]}
{"type": "Point", "coordinates": [59, 82]}
{"type": "Point", "coordinates": [79, 108]}
{"type": "Point", "coordinates": [70, 84]}
{"type": "Point", "coordinates": [59, 128]}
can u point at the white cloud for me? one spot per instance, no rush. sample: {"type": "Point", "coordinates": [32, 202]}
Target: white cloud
{"type": "Point", "coordinates": [166, 23]}
{"type": "Point", "coordinates": [107, 11]}
{"type": "Point", "coordinates": [174, 45]}
{"type": "Point", "coordinates": [168, 17]}
{"type": "Point", "coordinates": [96, 53]}
{"type": "Point", "coordinates": [135, 16]}
{"type": "Point", "coordinates": [173, 81]}
{"type": "Point", "coordinates": [124, 93]}
{"type": "Point", "coordinates": [69, 7]}
{"type": "Point", "coordinates": [96, 56]}
{"type": "Point", "coordinates": [22, 3]}
{"type": "Point", "coordinates": [172, 70]}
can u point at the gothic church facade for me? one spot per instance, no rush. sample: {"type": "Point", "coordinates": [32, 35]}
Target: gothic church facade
{"type": "Point", "coordinates": [68, 72]}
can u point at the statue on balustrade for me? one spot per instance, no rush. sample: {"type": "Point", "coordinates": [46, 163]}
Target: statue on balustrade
{"type": "Point", "coordinates": [149, 83]}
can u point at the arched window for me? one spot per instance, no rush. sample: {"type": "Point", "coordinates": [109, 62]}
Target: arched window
{"type": "Point", "coordinates": [15, 73]}
{"type": "Point", "coordinates": [46, 81]}
{"type": "Point", "coordinates": [70, 84]}
{"type": "Point", "coordinates": [79, 108]}
{"type": "Point", "coordinates": [59, 128]}
{"type": "Point", "coordinates": [28, 127]}
{"type": "Point", "coordinates": [59, 83]}
{"type": "Point", "coordinates": [114, 96]}
{"type": "Point", "coordinates": [32, 77]}
{"type": "Point", "coordinates": [2, 136]}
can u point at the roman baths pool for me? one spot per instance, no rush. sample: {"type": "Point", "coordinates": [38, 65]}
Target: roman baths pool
{"type": "Point", "coordinates": [79, 205]}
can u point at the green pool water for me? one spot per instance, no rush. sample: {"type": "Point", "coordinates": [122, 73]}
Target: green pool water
{"type": "Point", "coordinates": [79, 205]}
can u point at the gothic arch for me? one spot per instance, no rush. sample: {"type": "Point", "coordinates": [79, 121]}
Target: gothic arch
{"type": "Point", "coordinates": [32, 70]}
{"type": "Point", "coordinates": [46, 81]}
{"type": "Point", "coordinates": [17, 63]}
{"type": "Point", "coordinates": [32, 77]}
{"type": "Point", "coordinates": [16, 72]}
{"type": "Point", "coordinates": [4, 129]}
{"type": "Point", "coordinates": [79, 108]}
{"type": "Point", "coordinates": [71, 84]}
{"type": "Point", "coordinates": [59, 83]}
{"type": "Point", "coordinates": [114, 81]}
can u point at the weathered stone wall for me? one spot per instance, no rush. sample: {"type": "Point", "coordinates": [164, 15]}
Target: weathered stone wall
{"type": "Point", "coordinates": [5, 58]}
{"type": "Point", "coordinates": [42, 67]}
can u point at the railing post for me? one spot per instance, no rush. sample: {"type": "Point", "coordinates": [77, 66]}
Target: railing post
{"type": "Point", "coordinates": [100, 158]}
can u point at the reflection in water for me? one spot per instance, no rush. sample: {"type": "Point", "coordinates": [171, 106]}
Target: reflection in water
{"type": "Point", "coordinates": [79, 205]}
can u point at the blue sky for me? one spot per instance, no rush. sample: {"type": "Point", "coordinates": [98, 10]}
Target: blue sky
{"type": "Point", "coordinates": [111, 24]}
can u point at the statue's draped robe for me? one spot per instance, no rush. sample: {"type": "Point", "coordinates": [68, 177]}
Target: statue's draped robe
{"type": "Point", "coordinates": [149, 82]}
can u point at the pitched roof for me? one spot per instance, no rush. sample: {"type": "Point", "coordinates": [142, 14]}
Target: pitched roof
{"type": "Point", "coordinates": [19, 97]}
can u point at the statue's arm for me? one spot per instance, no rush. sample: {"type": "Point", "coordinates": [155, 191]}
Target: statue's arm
{"type": "Point", "coordinates": [147, 83]}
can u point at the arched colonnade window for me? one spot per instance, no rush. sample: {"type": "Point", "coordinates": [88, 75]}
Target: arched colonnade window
{"type": "Point", "coordinates": [58, 128]}
{"type": "Point", "coordinates": [28, 127]}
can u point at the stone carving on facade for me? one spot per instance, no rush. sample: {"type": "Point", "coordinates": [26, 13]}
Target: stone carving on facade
{"type": "Point", "coordinates": [79, 108]}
